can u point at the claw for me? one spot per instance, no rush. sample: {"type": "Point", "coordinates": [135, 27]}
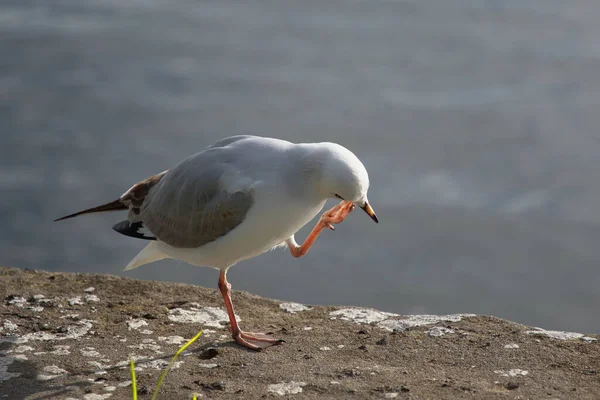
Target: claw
{"type": "Point", "coordinates": [256, 341]}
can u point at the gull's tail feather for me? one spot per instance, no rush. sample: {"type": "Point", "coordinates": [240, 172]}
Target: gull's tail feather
{"type": "Point", "coordinates": [111, 206]}
{"type": "Point", "coordinates": [149, 254]}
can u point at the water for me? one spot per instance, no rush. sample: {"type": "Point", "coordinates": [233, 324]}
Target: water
{"type": "Point", "coordinates": [478, 122]}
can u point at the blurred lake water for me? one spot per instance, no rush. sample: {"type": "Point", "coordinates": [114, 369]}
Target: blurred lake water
{"type": "Point", "coordinates": [478, 122]}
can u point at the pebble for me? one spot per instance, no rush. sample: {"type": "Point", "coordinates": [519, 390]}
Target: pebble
{"type": "Point", "coordinates": [383, 341]}
{"type": "Point", "coordinates": [209, 353]}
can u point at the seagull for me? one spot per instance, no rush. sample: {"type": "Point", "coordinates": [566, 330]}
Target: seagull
{"type": "Point", "coordinates": [237, 199]}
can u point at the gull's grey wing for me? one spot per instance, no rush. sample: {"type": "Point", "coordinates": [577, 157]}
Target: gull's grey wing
{"type": "Point", "coordinates": [189, 207]}
{"type": "Point", "coordinates": [185, 206]}
{"type": "Point", "coordinates": [229, 140]}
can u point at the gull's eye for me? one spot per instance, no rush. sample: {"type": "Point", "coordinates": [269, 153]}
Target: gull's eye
{"type": "Point", "coordinates": [338, 196]}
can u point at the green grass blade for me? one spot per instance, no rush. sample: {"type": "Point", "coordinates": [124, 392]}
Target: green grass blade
{"type": "Point", "coordinates": [162, 376]}
{"type": "Point", "coordinates": [133, 382]}
{"type": "Point", "coordinates": [195, 396]}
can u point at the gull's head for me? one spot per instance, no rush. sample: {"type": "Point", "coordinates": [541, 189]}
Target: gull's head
{"type": "Point", "coordinates": [343, 176]}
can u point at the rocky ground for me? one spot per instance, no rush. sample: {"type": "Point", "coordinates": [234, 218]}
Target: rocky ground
{"type": "Point", "coordinates": [69, 336]}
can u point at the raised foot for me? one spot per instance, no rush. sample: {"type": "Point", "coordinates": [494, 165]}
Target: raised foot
{"type": "Point", "coordinates": [337, 214]}
{"type": "Point", "coordinates": [256, 341]}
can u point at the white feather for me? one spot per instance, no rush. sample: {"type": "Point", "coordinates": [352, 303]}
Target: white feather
{"type": "Point", "coordinates": [149, 254]}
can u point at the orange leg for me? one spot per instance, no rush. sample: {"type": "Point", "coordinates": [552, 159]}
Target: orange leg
{"type": "Point", "coordinates": [253, 341]}
{"type": "Point", "coordinates": [334, 216]}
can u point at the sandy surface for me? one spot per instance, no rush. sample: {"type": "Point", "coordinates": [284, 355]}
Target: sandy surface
{"type": "Point", "coordinates": [69, 336]}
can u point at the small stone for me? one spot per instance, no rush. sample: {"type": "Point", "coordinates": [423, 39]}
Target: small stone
{"type": "Point", "coordinates": [9, 326]}
{"type": "Point", "coordinates": [351, 373]}
{"type": "Point", "coordinates": [94, 396]}
{"type": "Point", "coordinates": [511, 346]}
{"type": "Point", "coordinates": [512, 373]}
{"type": "Point", "coordinates": [89, 352]}
{"type": "Point", "coordinates": [286, 388]}
{"type": "Point", "coordinates": [45, 327]}
{"type": "Point", "coordinates": [23, 349]}
{"type": "Point", "coordinates": [293, 308]}
{"type": "Point", "coordinates": [89, 289]}
{"type": "Point", "coordinates": [51, 372]}
{"type": "Point", "coordinates": [218, 385]}
{"type": "Point", "coordinates": [46, 302]}
{"type": "Point", "coordinates": [61, 350]}
{"type": "Point", "coordinates": [206, 316]}
{"type": "Point", "coordinates": [16, 300]}
{"type": "Point", "coordinates": [512, 385]}
{"type": "Point", "coordinates": [209, 353]}
{"type": "Point", "coordinates": [75, 301]}
{"type": "Point", "coordinates": [383, 341]}
{"type": "Point", "coordinates": [61, 329]}
{"type": "Point", "coordinates": [91, 298]}
{"type": "Point", "coordinates": [438, 331]}
{"type": "Point", "coordinates": [324, 348]}
{"type": "Point", "coordinates": [143, 390]}
{"type": "Point", "coordinates": [135, 324]}
{"type": "Point", "coordinates": [172, 339]}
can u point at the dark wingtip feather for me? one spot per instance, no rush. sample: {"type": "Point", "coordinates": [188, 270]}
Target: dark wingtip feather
{"type": "Point", "coordinates": [133, 229]}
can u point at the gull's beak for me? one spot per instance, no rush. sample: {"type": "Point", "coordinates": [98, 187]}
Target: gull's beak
{"type": "Point", "coordinates": [369, 210]}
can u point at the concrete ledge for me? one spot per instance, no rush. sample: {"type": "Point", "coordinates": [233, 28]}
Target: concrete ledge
{"type": "Point", "coordinates": [69, 336]}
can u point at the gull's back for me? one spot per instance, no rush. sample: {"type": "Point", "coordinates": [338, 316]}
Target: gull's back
{"type": "Point", "coordinates": [230, 202]}
{"type": "Point", "coordinates": [209, 193]}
